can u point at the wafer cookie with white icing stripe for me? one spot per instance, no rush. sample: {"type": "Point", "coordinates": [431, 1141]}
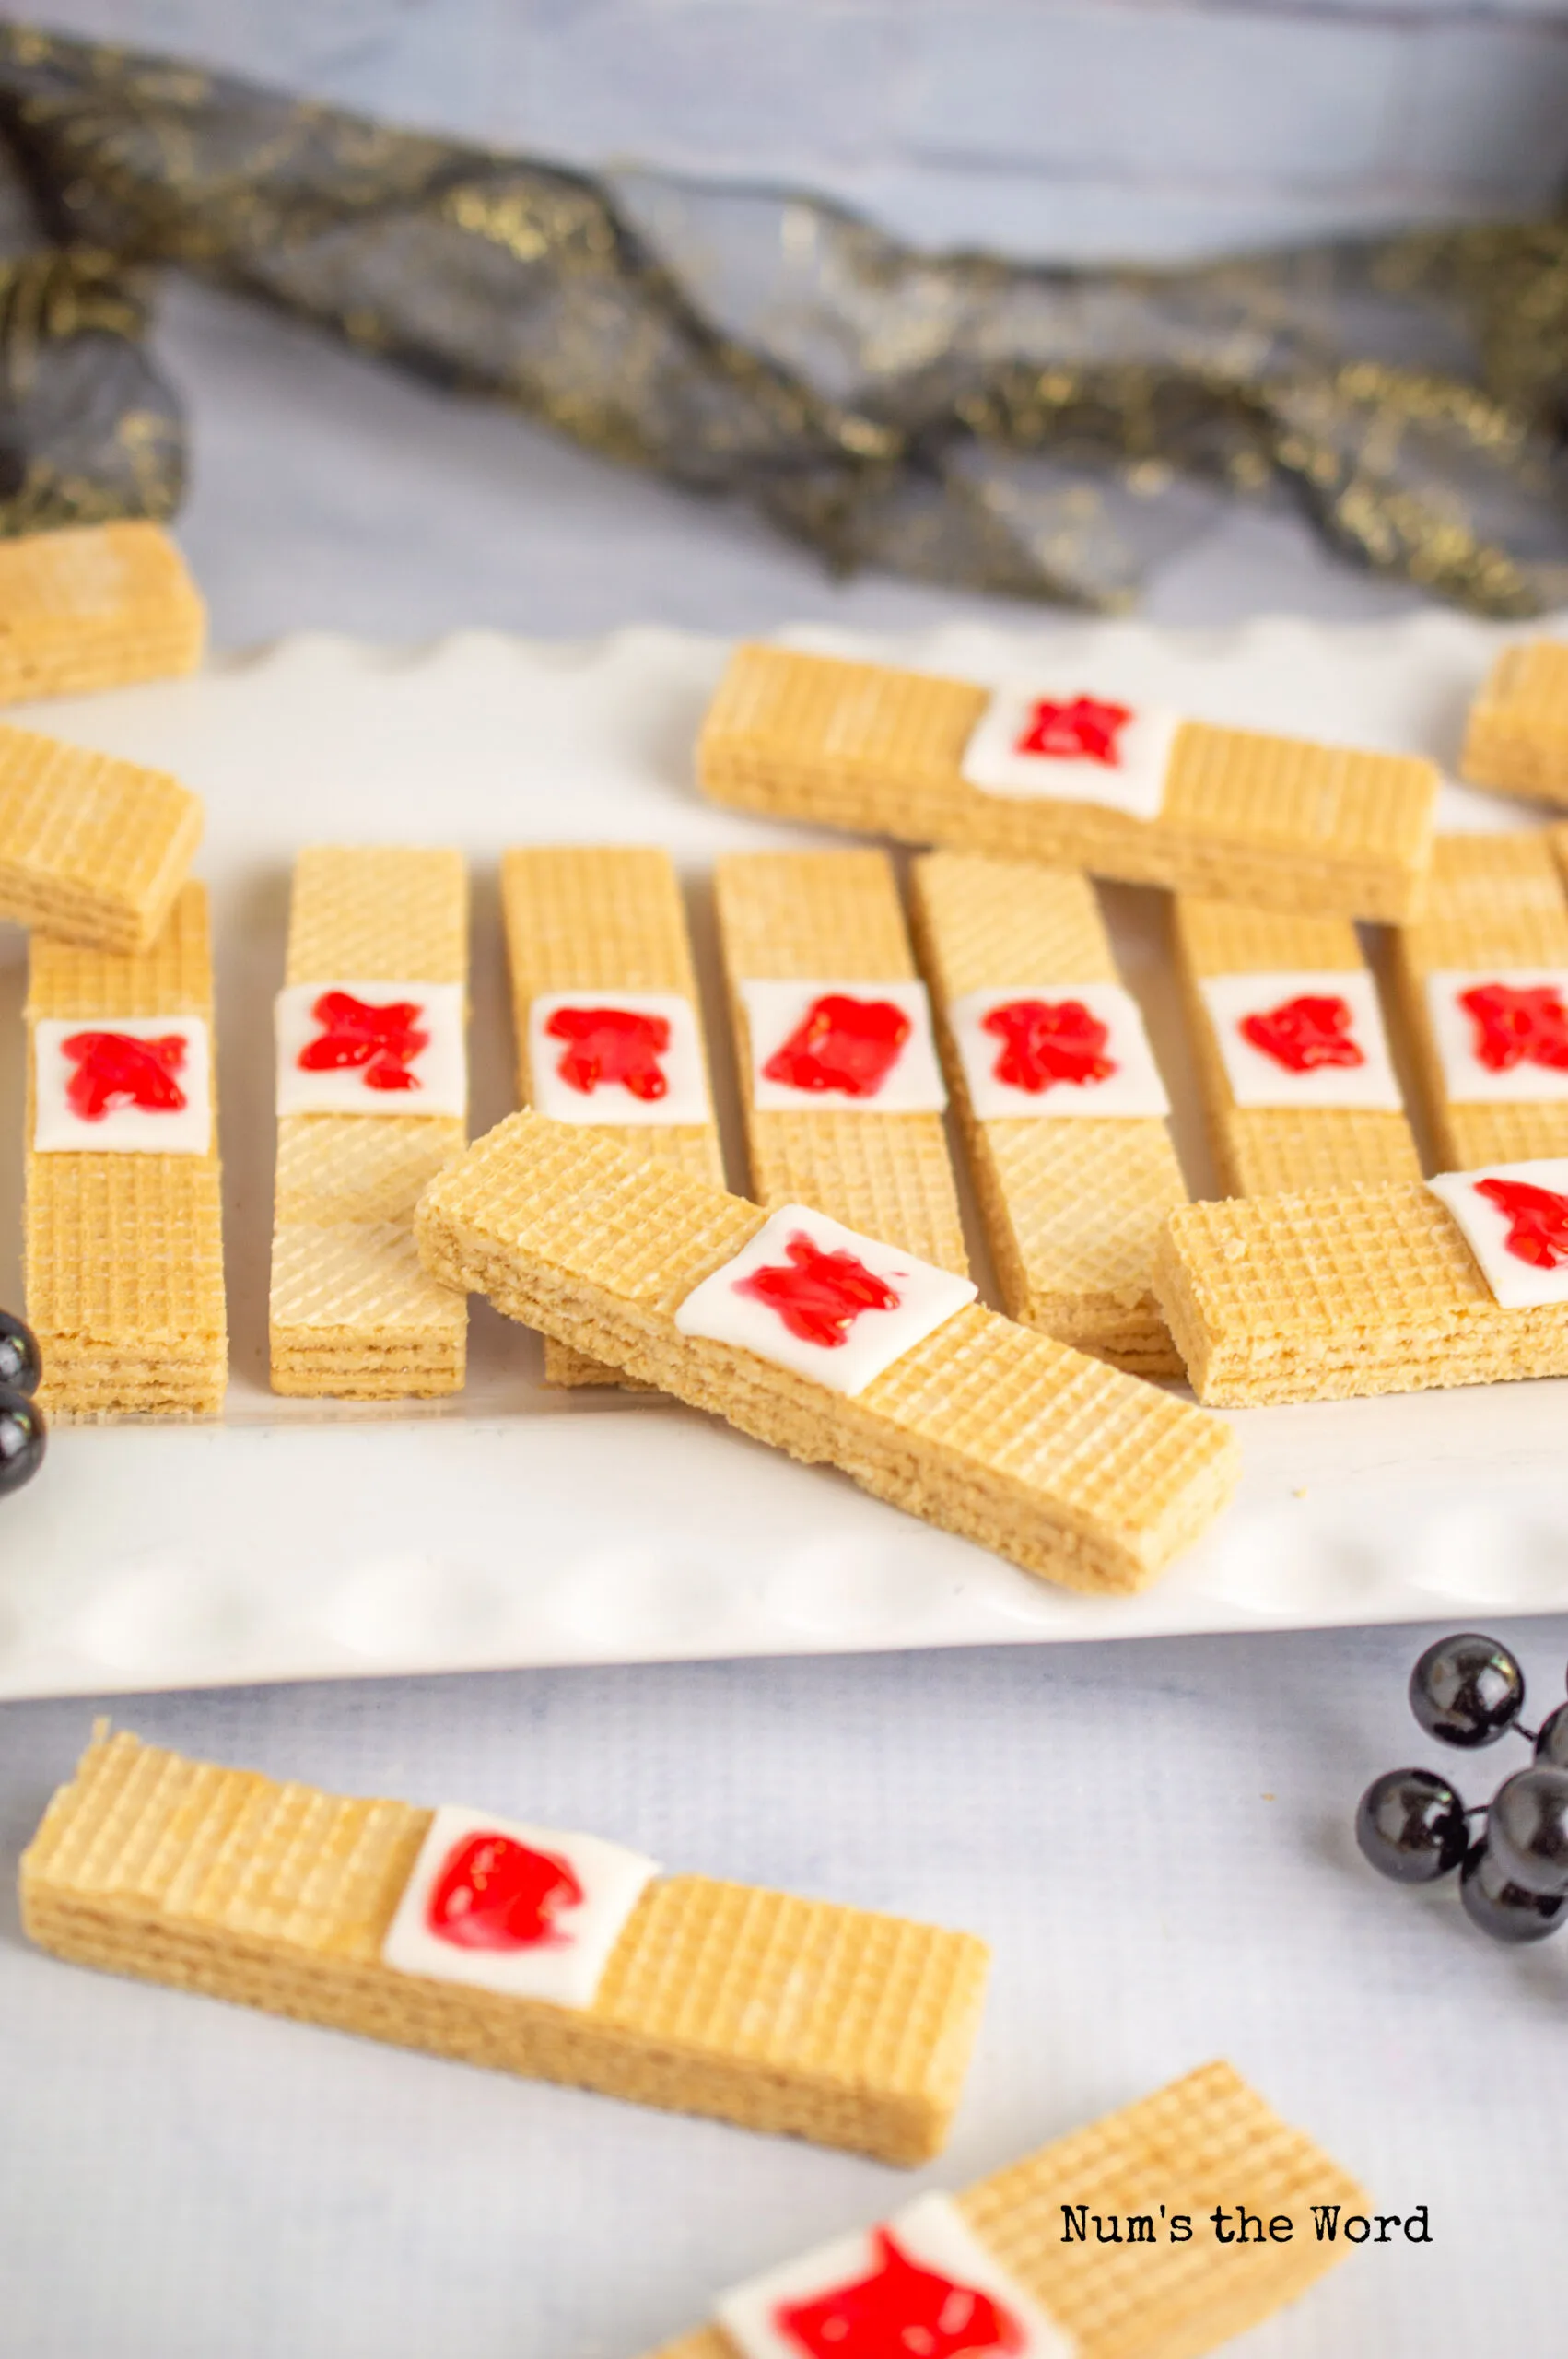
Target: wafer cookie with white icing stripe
{"type": "Point", "coordinates": [1517, 736]}
{"type": "Point", "coordinates": [1073, 1470]}
{"type": "Point", "coordinates": [1205, 2141]}
{"type": "Point", "coordinates": [605, 920]}
{"type": "Point", "coordinates": [124, 1247]}
{"type": "Point", "coordinates": [1073, 1204]}
{"type": "Point", "coordinates": [1244, 815]}
{"type": "Point", "coordinates": [1285, 970]}
{"type": "Point", "coordinates": [352, 1312]}
{"type": "Point", "coordinates": [833, 917]}
{"type": "Point", "coordinates": [92, 850]}
{"type": "Point", "coordinates": [799, 2017]}
{"type": "Point", "coordinates": [95, 606]}
{"type": "Point", "coordinates": [1496, 915]}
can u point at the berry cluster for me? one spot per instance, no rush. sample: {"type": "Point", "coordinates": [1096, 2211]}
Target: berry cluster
{"type": "Point", "coordinates": [22, 1429]}
{"type": "Point", "coordinates": [1413, 1825]}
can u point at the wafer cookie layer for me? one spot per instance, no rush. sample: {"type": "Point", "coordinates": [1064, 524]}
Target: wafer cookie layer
{"type": "Point", "coordinates": [803, 917]}
{"type": "Point", "coordinates": [776, 2013]}
{"type": "Point", "coordinates": [1280, 1150]}
{"type": "Point", "coordinates": [1074, 1471]}
{"type": "Point", "coordinates": [352, 1312]}
{"type": "Point", "coordinates": [1327, 1298]}
{"type": "Point", "coordinates": [124, 1252]}
{"type": "Point", "coordinates": [1516, 737]}
{"type": "Point", "coordinates": [1073, 1207]}
{"type": "Point", "coordinates": [95, 606]}
{"type": "Point", "coordinates": [601, 918]}
{"type": "Point", "coordinates": [92, 850]}
{"type": "Point", "coordinates": [1245, 816]}
{"type": "Point", "coordinates": [1496, 904]}
{"type": "Point", "coordinates": [1205, 2141]}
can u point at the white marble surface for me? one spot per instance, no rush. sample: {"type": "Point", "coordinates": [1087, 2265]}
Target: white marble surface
{"type": "Point", "coordinates": [1154, 1836]}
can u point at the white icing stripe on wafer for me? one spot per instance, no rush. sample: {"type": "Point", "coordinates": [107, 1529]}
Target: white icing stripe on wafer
{"type": "Point", "coordinates": [1095, 1063]}
{"type": "Point", "coordinates": [382, 1071]}
{"type": "Point", "coordinates": [859, 1070]}
{"type": "Point", "coordinates": [1067, 744]}
{"type": "Point", "coordinates": [615, 1057]}
{"type": "Point", "coordinates": [125, 1085]}
{"type": "Point", "coordinates": [1498, 1052]}
{"type": "Point", "coordinates": [1334, 1011]}
{"type": "Point", "coordinates": [1519, 1232]}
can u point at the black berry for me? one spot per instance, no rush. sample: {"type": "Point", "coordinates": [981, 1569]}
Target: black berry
{"type": "Point", "coordinates": [1526, 1830]}
{"type": "Point", "coordinates": [1505, 1910]}
{"type": "Point", "coordinates": [1552, 1739]}
{"type": "Point", "coordinates": [19, 1365]}
{"type": "Point", "coordinates": [1466, 1690]}
{"type": "Point", "coordinates": [1410, 1825]}
{"type": "Point", "coordinates": [22, 1440]}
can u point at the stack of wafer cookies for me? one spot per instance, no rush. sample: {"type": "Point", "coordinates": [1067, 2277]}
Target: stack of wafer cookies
{"type": "Point", "coordinates": [92, 850]}
{"type": "Point", "coordinates": [1073, 1201]}
{"type": "Point", "coordinates": [1298, 1088]}
{"type": "Point", "coordinates": [815, 927]}
{"type": "Point", "coordinates": [603, 925]}
{"type": "Point", "coordinates": [1516, 737]}
{"type": "Point", "coordinates": [1231, 813]}
{"type": "Point", "coordinates": [1477, 976]}
{"type": "Point", "coordinates": [95, 606]}
{"type": "Point", "coordinates": [1073, 1470]}
{"type": "Point", "coordinates": [124, 1232]}
{"type": "Point", "coordinates": [353, 1315]}
{"type": "Point", "coordinates": [1207, 2142]}
{"type": "Point", "coordinates": [776, 2013]}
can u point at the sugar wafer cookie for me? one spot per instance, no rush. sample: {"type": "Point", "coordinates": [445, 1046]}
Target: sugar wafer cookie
{"type": "Point", "coordinates": [1298, 1086]}
{"type": "Point", "coordinates": [1018, 2253]}
{"type": "Point", "coordinates": [808, 937]}
{"type": "Point", "coordinates": [123, 1249]}
{"type": "Point", "coordinates": [1232, 814]}
{"type": "Point", "coordinates": [1517, 735]}
{"type": "Point", "coordinates": [1072, 1469]}
{"type": "Point", "coordinates": [597, 950]}
{"type": "Point", "coordinates": [800, 2017]}
{"type": "Point", "coordinates": [1072, 1201]}
{"type": "Point", "coordinates": [92, 850]}
{"type": "Point", "coordinates": [378, 948]}
{"type": "Point", "coordinates": [95, 606]}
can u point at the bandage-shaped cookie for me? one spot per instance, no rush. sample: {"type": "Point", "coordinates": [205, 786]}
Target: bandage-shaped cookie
{"type": "Point", "coordinates": [1035, 2259]}
{"type": "Point", "coordinates": [373, 1095]}
{"type": "Point", "coordinates": [92, 850]}
{"type": "Point", "coordinates": [1481, 986]}
{"type": "Point", "coordinates": [1298, 1085]}
{"type": "Point", "coordinates": [555, 1955]}
{"type": "Point", "coordinates": [1038, 1035]}
{"type": "Point", "coordinates": [95, 606]}
{"type": "Point", "coordinates": [839, 1079]}
{"type": "Point", "coordinates": [607, 1021]}
{"type": "Point", "coordinates": [834, 1347]}
{"type": "Point", "coordinates": [1462, 1281]}
{"type": "Point", "coordinates": [124, 1216]}
{"type": "Point", "coordinates": [1054, 774]}
{"type": "Point", "coordinates": [1516, 737]}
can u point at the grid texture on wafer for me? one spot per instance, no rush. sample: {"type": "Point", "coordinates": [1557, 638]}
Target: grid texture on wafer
{"type": "Point", "coordinates": [1206, 2141]}
{"type": "Point", "coordinates": [1493, 900]}
{"type": "Point", "coordinates": [1072, 1207]}
{"type": "Point", "coordinates": [1072, 1469]}
{"type": "Point", "coordinates": [1324, 1297]}
{"type": "Point", "coordinates": [352, 1313]}
{"type": "Point", "coordinates": [1517, 736]}
{"type": "Point", "coordinates": [95, 606]}
{"type": "Point", "coordinates": [834, 916]}
{"type": "Point", "coordinates": [797, 2016]}
{"type": "Point", "coordinates": [1278, 1150]}
{"type": "Point", "coordinates": [92, 849]}
{"type": "Point", "coordinates": [1245, 816]}
{"type": "Point", "coordinates": [124, 1254]}
{"type": "Point", "coordinates": [609, 918]}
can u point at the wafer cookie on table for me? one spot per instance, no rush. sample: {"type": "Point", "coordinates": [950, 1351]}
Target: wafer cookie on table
{"type": "Point", "coordinates": [605, 1013]}
{"type": "Point", "coordinates": [1021, 2245]}
{"type": "Point", "coordinates": [370, 1033]}
{"type": "Point", "coordinates": [95, 606]}
{"type": "Point", "coordinates": [92, 850]}
{"type": "Point", "coordinates": [836, 1348]}
{"type": "Point", "coordinates": [1482, 994]}
{"type": "Point", "coordinates": [1073, 1199]}
{"type": "Point", "coordinates": [1517, 736]}
{"type": "Point", "coordinates": [815, 947]}
{"type": "Point", "coordinates": [1073, 780]}
{"type": "Point", "coordinates": [124, 1219]}
{"type": "Point", "coordinates": [583, 1964]}
{"type": "Point", "coordinates": [1298, 1086]}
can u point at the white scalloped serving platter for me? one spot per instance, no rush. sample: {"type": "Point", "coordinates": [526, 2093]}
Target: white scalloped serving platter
{"type": "Point", "coordinates": [514, 1526]}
